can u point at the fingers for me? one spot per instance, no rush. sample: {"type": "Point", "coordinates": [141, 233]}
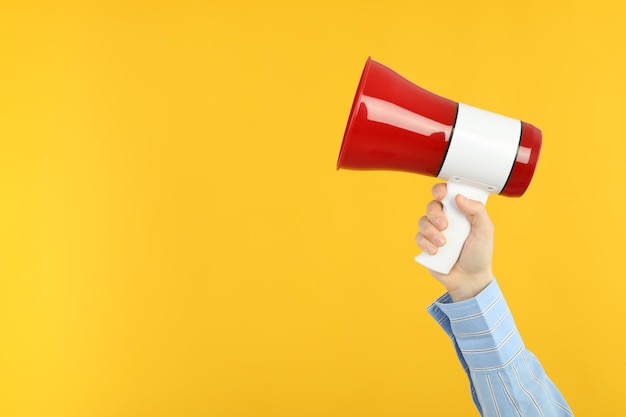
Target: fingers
{"type": "Point", "coordinates": [430, 236]}
{"type": "Point", "coordinates": [434, 213]}
{"type": "Point", "coordinates": [439, 191]}
{"type": "Point", "coordinates": [475, 210]}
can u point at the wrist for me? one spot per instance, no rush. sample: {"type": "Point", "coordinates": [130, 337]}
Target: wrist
{"type": "Point", "coordinates": [470, 287]}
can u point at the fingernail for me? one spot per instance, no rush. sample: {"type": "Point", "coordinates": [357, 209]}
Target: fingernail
{"type": "Point", "coordinates": [463, 198]}
{"type": "Point", "coordinates": [439, 240]}
{"type": "Point", "coordinates": [440, 224]}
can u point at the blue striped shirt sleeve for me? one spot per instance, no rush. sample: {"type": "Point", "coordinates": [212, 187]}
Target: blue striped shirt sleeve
{"type": "Point", "coordinates": [506, 380]}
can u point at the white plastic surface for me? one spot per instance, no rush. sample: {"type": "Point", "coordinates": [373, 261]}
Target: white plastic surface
{"type": "Point", "coordinates": [482, 148]}
{"type": "Point", "coordinates": [458, 225]}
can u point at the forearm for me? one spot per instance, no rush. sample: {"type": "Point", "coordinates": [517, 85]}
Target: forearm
{"type": "Point", "coordinates": [505, 378]}
{"type": "Point", "coordinates": [521, 388]}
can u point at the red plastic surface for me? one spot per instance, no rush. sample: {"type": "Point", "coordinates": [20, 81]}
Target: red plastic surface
{"type": "Point", "coordinates": [525, 162]}
{"type": "Point", "coordinates": [381, 142]}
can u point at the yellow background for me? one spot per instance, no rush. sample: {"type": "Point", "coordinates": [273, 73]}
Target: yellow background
{"type": "Point", "coordinates": [175, 240]}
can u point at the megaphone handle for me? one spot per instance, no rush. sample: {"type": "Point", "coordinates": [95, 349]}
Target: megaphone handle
{"type": "Point", "coordinates": [458, 225]}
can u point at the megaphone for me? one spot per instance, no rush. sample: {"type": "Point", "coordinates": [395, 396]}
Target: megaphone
{"type": "Point", "coordinates": [397, 125]}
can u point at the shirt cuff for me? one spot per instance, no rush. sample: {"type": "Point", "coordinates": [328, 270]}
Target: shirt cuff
{"type": "Point", "coordinates": [482, 327]}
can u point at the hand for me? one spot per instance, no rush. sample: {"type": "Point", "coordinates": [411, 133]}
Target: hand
{"type": "Point", "coordinates": [472, 272]}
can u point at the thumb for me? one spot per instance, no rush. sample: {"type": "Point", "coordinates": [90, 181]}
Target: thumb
{"type": "Point", "coordinates": [475, 212]}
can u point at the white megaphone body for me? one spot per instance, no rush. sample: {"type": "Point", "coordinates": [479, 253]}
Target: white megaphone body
{"type": "Point", "coordinates": [396, 125]}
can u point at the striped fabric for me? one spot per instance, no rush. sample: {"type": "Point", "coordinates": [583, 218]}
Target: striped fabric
{"type": "Point", "coordinates": [506, 380]}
